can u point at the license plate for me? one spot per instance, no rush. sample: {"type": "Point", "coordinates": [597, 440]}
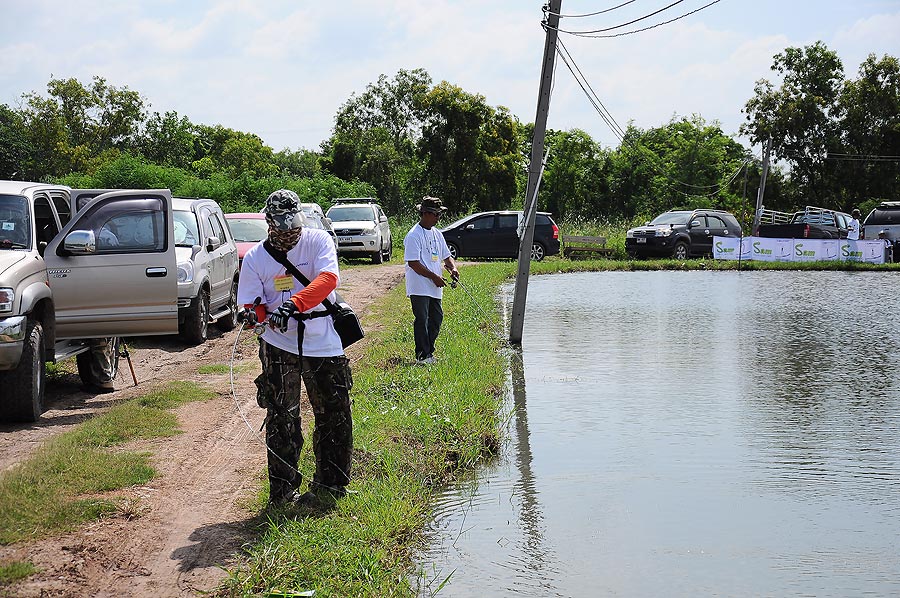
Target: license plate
{"type": "Point", "coordinates": [640, 240]}
{"type": "Point", "coordinates": [345, 239]}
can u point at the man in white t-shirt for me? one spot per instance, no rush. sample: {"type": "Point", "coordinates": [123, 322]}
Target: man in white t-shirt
{"type": "Point", "coordinates": [853, 226]}
{"type": "Point", "coordinates": [425, 253]}
{"type": "Point", "coordinates": [325, 371]}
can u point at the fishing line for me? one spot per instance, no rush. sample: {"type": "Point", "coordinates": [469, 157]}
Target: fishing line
{"type": "Point", "coordinates": [253, 431]}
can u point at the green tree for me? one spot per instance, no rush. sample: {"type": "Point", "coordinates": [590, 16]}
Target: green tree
{"type": "Point", "coordinates": [575, 180]}
{"type": "Point", "coordinates": [169, 140]}
{"type": "Point", "coordinates": [799, 115]}
{"type": "Point", "coordinates": [686, 163]}
{"type": "Point", "coordinates": [75, 126]}
{"type": "Point", "coordinates": [15, 147]}
{"type": "Point", "coordinates": [469, 151]}
{"type": "Point", "coordinates": [869, 125]}
{"type": "Point", "coordinates": [300, 163]}
{"type": "Point", "coordinates": [232, 152]}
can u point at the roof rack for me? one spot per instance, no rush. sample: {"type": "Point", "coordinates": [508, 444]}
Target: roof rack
{"type": "Point", "coordinates": [355, 200]}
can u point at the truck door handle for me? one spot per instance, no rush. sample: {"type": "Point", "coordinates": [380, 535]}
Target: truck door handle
{"type": "Point", "coordinates": [156, 272]}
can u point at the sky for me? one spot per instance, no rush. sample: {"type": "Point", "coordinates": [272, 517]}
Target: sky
{"type": "Point", "coordinates": [281, 69]}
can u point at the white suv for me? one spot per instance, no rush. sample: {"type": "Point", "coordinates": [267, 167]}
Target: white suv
{"type": "Point", "coordinates": [362, 228]}
{"type": "Point", "coordinates": [207, 268]}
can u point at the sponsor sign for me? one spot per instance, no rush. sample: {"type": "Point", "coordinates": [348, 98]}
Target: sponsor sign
{"type": "Point", "coordinates": [797, 250]}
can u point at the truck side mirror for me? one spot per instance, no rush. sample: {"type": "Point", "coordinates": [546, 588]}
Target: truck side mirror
{"type": "Point", "coordinates": [80, 242]}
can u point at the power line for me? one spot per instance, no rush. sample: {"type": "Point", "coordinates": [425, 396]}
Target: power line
{"type": "Point", "coordinates": [610, 121]}
{"type": "Point", "coordinates": [687, 14]}
{"type": "Point", "coordinates": [590, 14]}
{"type": "Point", "coordinates": [632, 22]}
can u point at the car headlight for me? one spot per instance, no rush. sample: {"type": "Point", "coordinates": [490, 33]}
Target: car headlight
{"type": "Point", "coordinates": [7, 298]}
{"type": "Point", "coordinates": [368, 231]}
{"type": "Point", "coordinates": [664, 232]}
{"type": "Point", "coordinates": [629, 234]}
{"type": "Point", "coordinates": [186, 271]}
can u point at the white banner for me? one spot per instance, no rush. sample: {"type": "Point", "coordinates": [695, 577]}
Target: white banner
{"type": "Point", "coordinates": [797, 250]}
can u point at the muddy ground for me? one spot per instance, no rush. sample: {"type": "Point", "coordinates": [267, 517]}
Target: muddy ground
{"type": "Point", "coordinates": [172, 536]}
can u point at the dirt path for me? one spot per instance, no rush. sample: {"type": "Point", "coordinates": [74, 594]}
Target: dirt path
{"type": "Point", "coordinates": [174, 533]}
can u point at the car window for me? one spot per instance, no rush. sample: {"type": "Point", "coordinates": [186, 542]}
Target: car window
{"type": "Point", "coordinates": [186, 232]}
{"type": "Point", "coordinates": [715, 221]}
{"type": "Point", "coordinates": [483, 223]}
{"type": "Point", "coordinates": [699, 221]}
{"type": "Point", "coordinates": [672, 218]}
{"type": "Point", "coordinates": [248, 230]}
{"type": "Point", "coordinates": [507, 221]}
{"type": "Point", "coordinates": [542, 219]}
{"type": "Point", "coordinates": [882, 216]}
{"type": "Point", "coordinates": [217, 229]}
{"type": "Point", "coordinates": [15, 222]}
{"type": "Point", "coordinates": [130, 231]}
{"type": "Point", "coordinates": [348, 213]}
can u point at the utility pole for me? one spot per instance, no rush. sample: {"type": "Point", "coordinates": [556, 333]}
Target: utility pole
{"type": "Point", "coordinates": [534, 172]}
{"type": "Point", "coordinates": [762, 184]}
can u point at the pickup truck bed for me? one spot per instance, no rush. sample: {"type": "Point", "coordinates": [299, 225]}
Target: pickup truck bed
{"type": "Point", "coordinates": [811, 223]}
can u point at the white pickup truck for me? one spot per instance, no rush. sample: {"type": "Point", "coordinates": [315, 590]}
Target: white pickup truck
{"type": "Point", "coordinates": [65, 281]}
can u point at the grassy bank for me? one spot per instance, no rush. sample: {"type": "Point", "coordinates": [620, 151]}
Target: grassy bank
{"type": "Point", "coordinates": [59, 487]}
{"type": "Point", "coordinates": [414, 428]}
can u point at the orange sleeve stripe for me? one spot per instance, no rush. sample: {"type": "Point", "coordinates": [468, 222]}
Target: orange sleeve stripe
{"type": "Point", "coordinates": [318, 289]}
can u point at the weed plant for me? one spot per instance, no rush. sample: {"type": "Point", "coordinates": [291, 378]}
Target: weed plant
{"type": "Point", "coordinates": [59, 487]}
{"type": "Point", "coordinates": [415, 428]}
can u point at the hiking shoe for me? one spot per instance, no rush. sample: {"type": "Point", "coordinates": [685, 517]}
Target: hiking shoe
{"type": "Point", "coordinates": [429, 360]}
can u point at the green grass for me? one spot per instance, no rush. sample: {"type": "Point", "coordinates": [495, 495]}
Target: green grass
{"type": "Point", "coordinates": [415, 428]}
{"type": "Point", "coordinates": [224, 368]}
{"type": "Point", "coordinates": [64, 483]}
{"type": "Point", "coordinates": [15, 570]}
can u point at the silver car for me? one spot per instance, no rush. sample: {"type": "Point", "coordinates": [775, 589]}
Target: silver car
{"type": "Point", "coordinates": [362, 228]}
{"type": "Point", "coordinates": [207, 268]}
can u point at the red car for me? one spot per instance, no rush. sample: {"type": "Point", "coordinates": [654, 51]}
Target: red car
{"type": "Point", "coordinates": [248, 229]}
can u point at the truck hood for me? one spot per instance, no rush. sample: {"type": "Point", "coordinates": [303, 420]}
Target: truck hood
{"type": "Point", "coordinates": [9, 258]}
{"type": "Point", "coordinates": [342, 224]}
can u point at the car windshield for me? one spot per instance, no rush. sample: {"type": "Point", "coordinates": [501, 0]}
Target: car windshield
{"type": "Point", "coordinates": [672, 218]}
{"type": "Point", "coordinates": [248, 230]}
{"type": "Point", "coordinates": [15, 225]}
{"type": "Point", "coordinates": [348, 213]}
{"type": "Point", "coordinates": [186, 233]}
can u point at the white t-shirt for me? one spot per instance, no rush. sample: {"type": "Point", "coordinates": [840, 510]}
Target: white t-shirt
{"type": "Point", "coordinates": [853, 230]}
{"type": "Point", "coordinates": [430, 248]}
{"type": "Point", "coordinates": [314, 253]}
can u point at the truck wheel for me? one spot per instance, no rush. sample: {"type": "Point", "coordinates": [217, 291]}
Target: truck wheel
{"type": "Point", "coordinates": [24, 386]}
{"type": "Point", "coordinates": [681, 251]}
{"type": "Point", "coordinates": [196, 323]}
{"type": "Point", "coordinates": [390, 249]}
{"type": "Point", "coordinates": [537, 251]}
{"type": "Point", "coordinates": [90, 371]}
{"type": "Point", "coordinates": [228, 322]}
{"type": "Point", "coordinates": [377, 257]}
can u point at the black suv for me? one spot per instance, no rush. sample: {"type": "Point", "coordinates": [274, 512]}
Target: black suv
{"type": "Point", "coordinates": [496, 234]}
{"type": "Point", "coordinates": [681, 234]}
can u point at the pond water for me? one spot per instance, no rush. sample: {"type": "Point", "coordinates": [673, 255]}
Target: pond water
{"type": "Point", "coordinates": [689, 434]}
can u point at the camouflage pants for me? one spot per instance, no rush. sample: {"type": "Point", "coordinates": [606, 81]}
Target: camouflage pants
{"type": "Point", "coordinates": [328, 381]}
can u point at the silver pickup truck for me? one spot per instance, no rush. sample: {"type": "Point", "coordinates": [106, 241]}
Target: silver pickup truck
{"type": "Point", "coordinates": [67, 280]}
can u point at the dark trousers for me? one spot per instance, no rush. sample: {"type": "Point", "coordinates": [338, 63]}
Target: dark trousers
{"type": "Point", "coordinates": [328, 381]}
{"type": "Point", "coordinates": [428, 315]}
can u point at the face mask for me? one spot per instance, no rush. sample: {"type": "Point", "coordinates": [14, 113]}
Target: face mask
{"type": "Point", "coordinates": [284, 240]}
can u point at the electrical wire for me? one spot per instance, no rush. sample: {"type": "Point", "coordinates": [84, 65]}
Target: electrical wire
{"type": "Point", "coordinates": [632, 22]}
{"type": "Point", "coordinates": [687, 14]}
{"type": "Point", "coordinates": [617, 130]}
{"type": "Point", "coordinates": [590, 14]}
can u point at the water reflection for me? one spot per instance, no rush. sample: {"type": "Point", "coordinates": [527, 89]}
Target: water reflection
{"type": "Point", "coordinates": [691, 433]}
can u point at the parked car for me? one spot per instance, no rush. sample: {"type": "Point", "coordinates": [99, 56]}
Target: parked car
{"type": "Point", "coordinates": [249, 228]}
{"type": "Point", "coordinates": [681, 234]}
{"type": "Point", "coordinates": [362, 228]}
{"type": "Point", "coordinates": [496, 234]}
{"type": "Point", "coordinates": [809, 223]}
{"type": "Point", "coordinates": [207, 268]}
{"type": "Point", "coordinates": [886, 217]}
{"type": "Point", "coordinates": [65, 285]}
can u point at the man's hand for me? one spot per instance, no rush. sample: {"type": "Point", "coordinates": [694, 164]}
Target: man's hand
{"type": "Point", "coordinates": [280, 317]}
{"type": "Point", "coordinates": [248, 318]}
